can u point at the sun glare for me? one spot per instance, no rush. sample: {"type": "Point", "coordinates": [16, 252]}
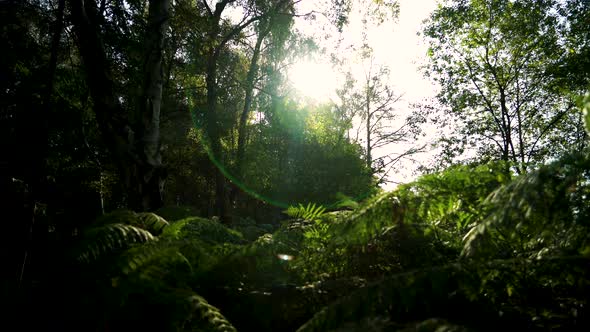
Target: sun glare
{"type": "Point", "coordinates": [313, 80]}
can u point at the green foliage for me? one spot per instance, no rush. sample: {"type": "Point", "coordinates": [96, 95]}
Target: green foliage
{"type": "Point", "coordinates": [544, 212]}
{"type": "Point", "coordinates": [585, 106]}
{"type": "Point", "coordinates": [369, 219]}
{"type": "Point", "coordinates": [302, 154]}
{"type": "Point", "coordinates": [455, 291]}
{"type": "Point", "coordinates": [390, 264]}
{"type": "Point", "coordinates": [309, 212]}
{"type": "Point", "coordinates": [152, 222]}
{"type": "Point", "coordinates": [450, 202]}
{"type": "Point", "coordinates": [346, 202]}
{"type": "Point", "coordinates": [111, 238]}
{"type": "Point", "coordinates": [204, 312]}
{"type": "Point", "coordinates": [555, 197]}
{"type": "Point", "coordinates": [175, 213]}
{"type": "Point", "coordinates": [393, 261]}
{"type": "Point", "coordinates": [472, 43]}
{"type": "Point", "coordinates": [251, 230]}
{"type": "Point", "coordinates": [208, 231]}
{"type": "Point", "coordinates": [368, 242]}
{"type": "Point", "coordinates": [130, 265]}
{"type": "Point", "coordinates": [149, 221]}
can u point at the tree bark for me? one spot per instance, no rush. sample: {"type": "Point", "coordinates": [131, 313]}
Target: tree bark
{"type": "Point", "coordinates": [152, 173]}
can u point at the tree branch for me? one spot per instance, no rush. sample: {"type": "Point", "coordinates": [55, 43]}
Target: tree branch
{"type": "Point", "coordinates": [553, 122]}
{"type": "Point", "coordinates": [208, 8]}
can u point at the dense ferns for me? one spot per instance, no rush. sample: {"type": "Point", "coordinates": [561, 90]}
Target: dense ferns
{"type": "Point", "coordinates": [395, 262]}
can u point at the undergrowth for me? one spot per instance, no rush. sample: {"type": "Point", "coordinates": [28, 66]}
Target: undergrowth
{"type": "Point", "coordinates": [432, 255]}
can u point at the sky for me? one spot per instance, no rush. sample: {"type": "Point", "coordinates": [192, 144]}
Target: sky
{"type": "Point", "coordinates": [395, 44]}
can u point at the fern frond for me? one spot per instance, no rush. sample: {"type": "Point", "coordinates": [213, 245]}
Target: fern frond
{"type": "Point", "coordinates": [450, 291]}
{"type": "Point", "coordinates": [206, 317]}
{"type": "Point", "coordinates": [309, 212]}
{"type": "Point", "coordinates": [174, 230]}
{"type": "Point", "coordinates": [156, 253]}
{"type": "Point", "coordinates": [369, 219]}
{"type": "Point", "coordinates": [346, 202]}
{"type": "Point", "coordinates": [545, 206]}
{"type": "Point", "coordinates": [101, 241]}
{"type": "Point", "coordinates": [393, 297]}
{"type": "Point", "coordinates": [151, 222]}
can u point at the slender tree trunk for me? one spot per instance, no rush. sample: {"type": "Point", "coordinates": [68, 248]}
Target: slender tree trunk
{"type": "Point", "coordinates": [152, 173]}
{"type": "Point", "coordinates": [368, 102]}
{"type": "Point", "coordinates": [248, 101]}
{"type": "Point", "coordinates": [521, 144]}
{"type": "Point", "coordinates": [59, 23]}
{"type": "Point", "coordinates": [216, 43]}
{"type": "Point", "coordinates": [212, 128]}
{"type": "Point", "coordinates": [506, 130]}
{"type": "Point", "coordinates": [210, 120]}
{"type": "Point", "coordinates": [249, 94]}
{"type": "Point", "coordinates": [509, 144]}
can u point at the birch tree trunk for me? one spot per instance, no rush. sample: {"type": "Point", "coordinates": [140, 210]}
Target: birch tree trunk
{"type": "Point", "coordinates": [150, 172]}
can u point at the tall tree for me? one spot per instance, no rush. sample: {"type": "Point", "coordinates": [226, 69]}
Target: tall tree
{"type": "Point", "coordinates": [369, 106]}
{"type": "Point", "coordinates": [249, 90]}
{"type": "Point", "coordinates": [492, 60]}
{"type": "Point", "coordinates": [133, 141]}
{"type": "Point", "coordinates": [220, 33]}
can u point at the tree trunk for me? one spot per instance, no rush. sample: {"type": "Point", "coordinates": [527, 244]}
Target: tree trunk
{"type": "Point", "coordinates": [151, 171]}
{"type": "Point", "coordinates": [248, 101]}
{"type": "Point", "coordinates": [211, 124]}
{"type": "Point", "coordinates": [216, 43]}
{"type": "Point", "coordinates": [212, 128]}
{"type": "Point", "coordinates": [136, 155]}
{"type": "Point", "coordinates": [368, 102]}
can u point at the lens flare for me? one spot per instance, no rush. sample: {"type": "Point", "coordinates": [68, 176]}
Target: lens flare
{"type": "Point", "coordinates": [285, 257]}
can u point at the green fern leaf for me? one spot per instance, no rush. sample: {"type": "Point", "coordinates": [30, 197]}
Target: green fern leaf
{"type": "Point", "coordinates": [550, 200]}
{"type": "Point", "coordinates": [156, 253]}
{"type": "Point", "coordinates": [149, 221]}
{"type": "Point", "coordinates": [444, 290]}
{"type": "Point", "coordinates": [309, 212]}
{"type": "Point", "coordinates": [206, 317]}
{"type": "Point", "coordinates": [174, 230]}
{"type": "Point", "coordinates": [152, 222]}
{"type": "Point", "coordinates": [369, 219]}
{"type": "Point", "coordinates": [104, 240]}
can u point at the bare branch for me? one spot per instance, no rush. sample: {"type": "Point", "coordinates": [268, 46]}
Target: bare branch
{"type": "Point", "coordinates": [395, 160]}
{"type": "Point", "coordinates": [208, 8]}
